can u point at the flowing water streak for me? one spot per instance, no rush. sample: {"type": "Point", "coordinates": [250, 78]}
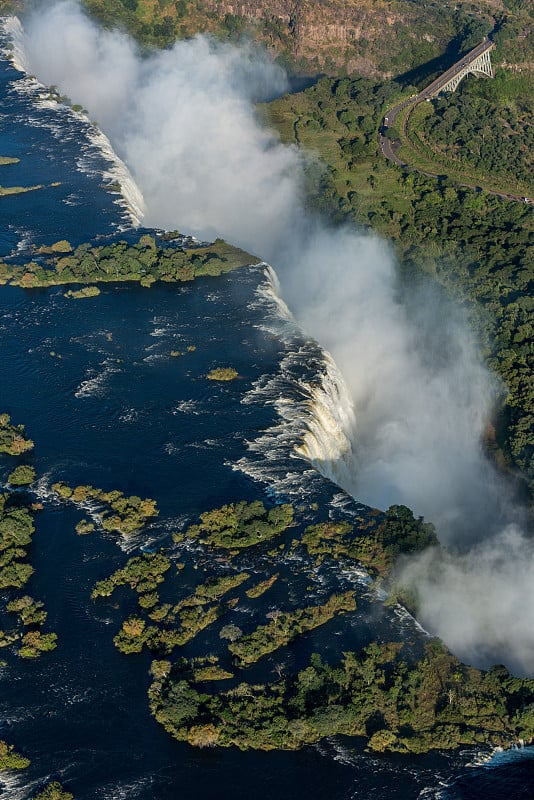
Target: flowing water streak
{"type": "Point", "coordinates": [311, 398]}
{"type": "Point", "coordinates": [325, 443]}
{"type": "Point", "coordinates": [498, 757]}
{"type": "Point", "coordinates": [116, 173]}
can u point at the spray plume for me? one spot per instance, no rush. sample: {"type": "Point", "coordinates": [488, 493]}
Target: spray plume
{"type": "Point", "coordinates": [184, 122]}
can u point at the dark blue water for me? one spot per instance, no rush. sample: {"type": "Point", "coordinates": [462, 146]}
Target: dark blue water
{"type": "Point", "coordinates": [55, 146]}
{"type": "Point", "coordinates": [96, 385]}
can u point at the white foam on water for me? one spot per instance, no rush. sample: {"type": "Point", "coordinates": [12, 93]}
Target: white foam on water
{"type": "Point", "coordinates": [15, 786]}
{"type": "Point", "coordinates": [326, 443]}
{"type": "Point", "coordinates": [315, 413]}
{"type": "Point", "coordinates": [188, 407]}
{"type": "Point", "coordinates": [116, 173]}
{"type": "Point", "coordinates": [126, 791]}
{"type": "Point", "coordinates": [13, 48]}
{"type": "Point", "coordinates": [95, 385]}
{"type": "Point", "coordinates": [500, 755]}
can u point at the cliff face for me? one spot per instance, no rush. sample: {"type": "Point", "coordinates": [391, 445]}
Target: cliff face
{"type": "Point", "coordinates": [377, 38]}
{"type": "Point", "coordinates": [373, 37]}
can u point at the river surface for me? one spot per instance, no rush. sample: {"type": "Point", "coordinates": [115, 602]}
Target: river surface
{"type": "Point", "coordinates": [107, 404]}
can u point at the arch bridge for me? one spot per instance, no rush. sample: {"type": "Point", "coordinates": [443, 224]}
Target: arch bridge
{"type": "Point", "coordinates": [477, 61]}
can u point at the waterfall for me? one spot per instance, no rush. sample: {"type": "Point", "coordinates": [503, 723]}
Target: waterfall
{"type": "Point", "coordinates": [311, 399]}
{"type": "Point", "coordinates": [116, 172]}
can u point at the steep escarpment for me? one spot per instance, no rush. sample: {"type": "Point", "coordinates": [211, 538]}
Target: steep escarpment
{"type": "Point", "coordinates": [378, 38]}
{"type": "Point", "coordinates": [374, 38]}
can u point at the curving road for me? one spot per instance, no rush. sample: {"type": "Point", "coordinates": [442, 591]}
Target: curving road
{"type": "Point", "coordinates": [388, 147]}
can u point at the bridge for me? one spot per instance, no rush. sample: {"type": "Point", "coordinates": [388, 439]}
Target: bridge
{"type": "Point", "coordinates": [476, 61]}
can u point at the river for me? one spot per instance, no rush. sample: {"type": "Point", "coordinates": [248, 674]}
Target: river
{"type": "Point", "coordinates": [96, 385]}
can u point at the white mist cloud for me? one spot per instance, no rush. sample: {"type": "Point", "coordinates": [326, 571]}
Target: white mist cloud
{"type": "Point", "coordinates": [480, 603]}
{"type": "Point", "coordinates": [184, 122]}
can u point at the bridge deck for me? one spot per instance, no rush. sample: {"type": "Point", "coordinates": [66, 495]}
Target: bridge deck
{"type": "Point", "coordinates": [460, 66]}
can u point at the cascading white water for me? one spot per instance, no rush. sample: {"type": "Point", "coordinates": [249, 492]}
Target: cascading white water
{"type": "Point", "coordinates": [12, 26]}
{"type": "Point", "coordinates": [329, 423]}
{"type": "Point", "coordinates": [117, 173]}
{"type": "Point", "coordinates": [311, 399]}
{"type": "Point", "coordinates": [327, 442]}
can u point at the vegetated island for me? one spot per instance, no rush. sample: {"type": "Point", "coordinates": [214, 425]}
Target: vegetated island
{"type": "Point", "coordinates": [16, 532]}
{"type": "Point", "coordinates": [22, 475]}
{"type": "Point", "coordinates": [54, 791]}
{"type": "Point", "coordinates": [399, 699]}
{"type": "Point", "coordinates": [80, 294]}
{"type": "Point", "coordinates": [170, 258]}
{"type": "Point", "coordinates": [10, 190]}
{"type": "Point", "coordinates": [113, 510]}
{"type": "Point", "coordinates": [10, 759]}
{"type": "Point", "coordinates": [12, 438]}
{"type": "Point", "coordinates": [222, 374]}
{"type": "Point", "coordinates": [398, 705]}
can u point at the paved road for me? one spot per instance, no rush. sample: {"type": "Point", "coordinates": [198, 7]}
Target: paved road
{"type": "Point", "coordinates": [388, 147]}
{"type": "Point", "coordinates": [446, 76]}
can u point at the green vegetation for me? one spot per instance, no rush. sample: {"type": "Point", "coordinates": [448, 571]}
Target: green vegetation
{"type": "Point", "coordinates": [145, 261]}
{"type": "Point", "coordinates": [61, 246]}
{"type": "Point", "coordinates": [222, 374]}
{"type": "Point", "coordinates": [54, 791]}
{"type": "Point", "coordinates": [286, 626]}
{"type": "Point", "coordinates": [87, 291]}
{"type": "Point", "coordinates": [382, 693]}
{"type": "Point", "coordinates": [378, 544]}
{"type": "Point", "coordinates": [483, 132]}
{"type": "Point", "coordinates": [16, 531]}
{"type": "Point", "coordinates": [8, 638]}
{"type": "Point", "coordinates": [211, 673]}
{"type": "Point", "coordinates": [370, 36]}
{"type": "Point", "coordinates": [239, 525]}
{"type": "Point", "coordinates": [472, 243]}
{"type": "Point", "coordinates": [22, 475]}
{"type": "Point", "coordinates": [477, 136]}
{"type": "Point", "coordinates": [84, 527]}
{"type": "Point", "coordinates": [143, 573]}
{"type": "Point", "coordinates": [230, 632]}
{"type": "Point", "coordinates": [260, 588]}
{"type": "Point", "coordinates": [34, 643]}
{"type": "Point", "coordinates": [113, 510]}
{"type": "Point", "coordinates": [135, 634]}
{"type": "Point", "coordinates": [214, 588]}
{"type": "Point", "coordinates": [10, 759]}
{"type": "Point", "coordinates": [437, 703]}
{"type": "Point", "coordinates": [12, 439]}
{"type": "Point", "coordinates": [9, 190]}
{"type": "Point", "coordinates": [30, 611]}
{"type": "Point", "coordinates": [189, 616]}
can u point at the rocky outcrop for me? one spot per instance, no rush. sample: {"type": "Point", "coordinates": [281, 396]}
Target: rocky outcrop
{"type": "Point", "coordinates": [373, 37]}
